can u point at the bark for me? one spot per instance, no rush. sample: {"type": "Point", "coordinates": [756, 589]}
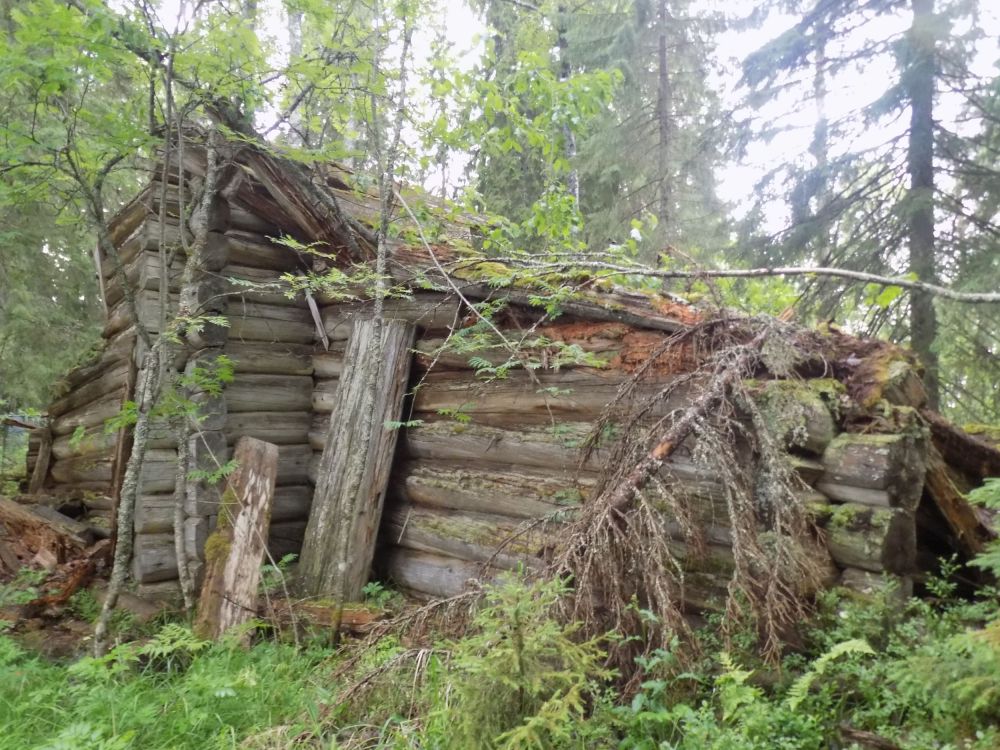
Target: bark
{"type": "Point", "coordinates": [234, 552]}
{"type": "Point", "coordinates": [664, 107]}
{"type": "Point", "coordinates": [354, 470]}
{"type": "Point", "coordinates": [919, 77]}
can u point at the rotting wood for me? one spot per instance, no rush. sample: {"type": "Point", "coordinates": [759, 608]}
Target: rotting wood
{"type": "Point", "coordinates": [235, 549]}
{"type": "Point", "coordinates": [39, 533]}
{"type": "Point", "coordinates": [968, 531]}
{"type": "Point", "coordinates": [336, 502]}
{"type": "Point", "coordinates": [278, 427]}
{"type": "Point", "coordinates": [871, 538]}
{"type": "Point", "coordinates": [890, 466]}
{"type": "Point", "coordinates": [324, 396]}
{"type": "Point", "coordinates": [270, 358]}
{"type": "Point", "coordinates": [111, 382]}
{"type": "Point", "coordinates": [431, 575]}
{"type": "Point", "coordinates": [429, 312]}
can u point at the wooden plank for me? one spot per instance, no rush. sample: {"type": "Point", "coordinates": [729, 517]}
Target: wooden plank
{"type": "Point", "coordinates": [345, 517]}
{"type": "Point", "coordinates": [256, 393]}
{"type": "Point", "coordinates": [234, 551]}
{"type": "Point", "coordinates": [270, 358]}
{"type": "Point", "coordinates": [278, 427]}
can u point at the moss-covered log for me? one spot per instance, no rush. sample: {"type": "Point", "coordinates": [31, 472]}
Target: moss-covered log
{"type": "Point", "coordinates": [869, 538]}
{"type": "Point", "coordinates": [885, 470]}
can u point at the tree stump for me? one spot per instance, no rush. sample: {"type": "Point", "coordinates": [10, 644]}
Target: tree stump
{"type": "Point", "coordinates": [354, 469]}
{"type": "Point", "coordinates": [234, 551]}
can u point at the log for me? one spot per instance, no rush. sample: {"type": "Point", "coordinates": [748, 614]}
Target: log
{"type": "Point", "coordinates": [892, 466]}
{"type": "Point", "coordinates": [443, 357]}
{"type": "Point", "coordinates": [429, 312]}
{"type": "Point", "coordinates": [318, 428]}
{"type": "Point", "coordinates": [278, 427]}
{"type": "Point", "coordinates": [293, 464]}
{"type": "Point", "coordinates": [112, 381]}
{"type": "Point", "coordinates": [275, 323]}
{"type": "Point", "coordinates": [798, 412]}
{"type": "Point", "coordinates": [117, 349]}
{"type": "Point", "coordinates": [83, 470]}
{"type": "Point", "coordinates": [234, 552]}
{"type": "Point", "coordinates": [154, 558]}
{"type": "Point", "coordinates": [291, 503]}
{"type": "Point", "coordinates": [324, 396]}
{"type": "Point", "coordinates": [95, 442]}
{"type": "Point", "coordinates": [159, 469]}
{"type": "Point", "coordinates": [270, 358]}
{"type": "Point", "coordinates": [427, 574]}
{"type": "Point", "coordinates": [967, 531]}
{"type": "Point", "coordinates": [260, 285]}
{"type": "Point", "coordinates": [51, 534]}
{"type": "Point", "coordinates": [509, 491]}
{"type": "Point", "coordinates": [328, 364]}
{"type": "Point", "coordinates": [868, 583]}
{"type": "Point", "coordinates": [501, 541]}
{"type": "Point", "coordinates": [256, 393]}
{"type": "Point", "coordinates": [554, 448]}
{"type": "Point", "coordinates": [257, 251]}
{"type": "Point", "coordinates": [154, 514]}
{"type": "Point", "coordinates": [88, 416]}
{"type": "Point", "coordinates": [336, 559]}
{"type": "Point", "coordinates": [535, 398]}
{"type": "Point", "coordinates": [870, 538]}
{"type": "Point", "coordinates": [144, 272]}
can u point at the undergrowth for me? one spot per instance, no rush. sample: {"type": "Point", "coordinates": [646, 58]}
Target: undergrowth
{"type": "Point", "coordinates": [917, 673]}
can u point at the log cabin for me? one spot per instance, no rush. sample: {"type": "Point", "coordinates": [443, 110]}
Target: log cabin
{"type": "Point", "coordinates": [478, 459]}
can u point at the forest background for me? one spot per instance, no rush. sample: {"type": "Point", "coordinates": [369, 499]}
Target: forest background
{"type": "Point", "coordinates": [673, 135]}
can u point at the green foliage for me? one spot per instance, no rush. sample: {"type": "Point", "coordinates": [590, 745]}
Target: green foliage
{"type": "Point", "coordinates": [173, 692]}
{"type": "Point", "coordinates": [988, 495]}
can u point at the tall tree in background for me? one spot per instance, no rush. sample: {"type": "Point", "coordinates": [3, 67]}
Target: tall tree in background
{"type": "Point", "coordinates": [889, 207]}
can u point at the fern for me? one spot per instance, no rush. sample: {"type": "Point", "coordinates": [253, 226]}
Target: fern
{"type": "Point", "coordinates": [800, 688]}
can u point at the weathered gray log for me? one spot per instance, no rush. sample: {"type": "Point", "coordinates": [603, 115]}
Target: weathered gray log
{"type": "Point", "coordinates": [116, 350]}
{"type": "Point", "coordinates": [430, 575]}
{"type": "Point", "coordinates": [510, 491]}
{"type": "Point", "coordinates": [554, 448]}
{"type": "Point", "coordinates": [277, 323]}
{"type": "Point", "coordinates": [504, 542]}
{"type": "Point", "coordinates": [84, 469]}
{"type": "Point", "coordinates": [537, 398]}
{"type": "Point", "coordinates": [154, 514]}
{"type": "Point", "coordinates": [94, 441]}
{"type": "Point", "coordinates": [235, 549]}
{"type": "Point", "coordinates": [270, 358]}
{"type": "Point", "coordinates": [444, 357]}
{"type": "Point", "coordinates": [429, 312]}
{"type": "Point", "coordinates": [324, 396]}
{"type": "Point", "coordinates": [159, 468]}
{"type": "Point", "coordinates": [88, 416]}
{"type": "Point", "coordinates": [260, 285]}
{"type": "Point", "coordinates": [868, 583]}
{"type": "Point", "coordinates": [871, 538]}
{"type": "Point", "coordinates": [291, 503]}
{"type": "Point", "coordinates": [347, 507]}
{"type": "Point", "coordinates": [257, 251]}
{"type": "Point", "coordinates": [317, 431]}
{"type": "Point", "coordinates": [278, 427]}
{"type": "Point", "coordinates": [110, 382]}
{"type": "Point", "coordinates": [328, 364]}
{"type": "Point", "coordinates": [891, 467]}
{"type": "Point", "coordinates": [154, 558]}
{"type": "Point", "coordinates": [293, 464]}
{"type": "Point", "coordinates": [144, 273]}
{"type": "Point", "coordinates": [255, 393]}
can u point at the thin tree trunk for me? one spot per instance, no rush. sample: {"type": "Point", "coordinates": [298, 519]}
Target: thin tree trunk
{"type": "Point", "coordinates": [664, 106]}
{"type": "Point", "coordinates": [919, 78]}
{"type": "Point", "coordinates": [573, 178]}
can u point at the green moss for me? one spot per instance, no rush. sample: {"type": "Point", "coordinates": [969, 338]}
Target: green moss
{"type": "Point", "coordinates": [217, 547]}
{"type": "Point", "coordinates": [988, 432]}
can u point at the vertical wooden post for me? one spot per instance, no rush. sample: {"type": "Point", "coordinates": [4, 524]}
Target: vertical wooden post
{"type": "Point", "coordinates": [347, 506]}
{"type": "Point", "coordinates": [234, 551]}
{"type": "Point", "coordinates": [41, 470]}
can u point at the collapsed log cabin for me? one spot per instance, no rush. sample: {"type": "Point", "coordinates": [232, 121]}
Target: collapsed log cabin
{"type": "Point", "coordinates": [490, 464]}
